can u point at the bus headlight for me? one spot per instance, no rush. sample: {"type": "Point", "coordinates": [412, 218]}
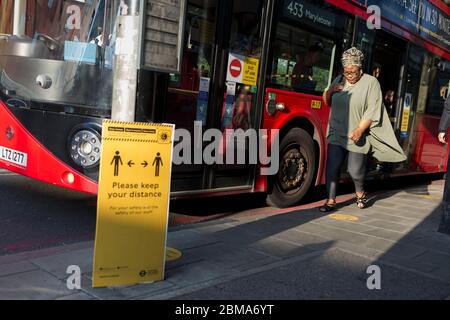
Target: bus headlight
{"type": "Point", "coordinates": [85, 147]}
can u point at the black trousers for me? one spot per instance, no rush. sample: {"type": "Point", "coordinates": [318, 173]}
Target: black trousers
{"type": "Point", "coordinates": [357, 163]}
{"type": "Point", "coordinates": [444, 227]}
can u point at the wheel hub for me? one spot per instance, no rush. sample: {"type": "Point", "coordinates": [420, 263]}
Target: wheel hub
{"type": "Point", "coordinates": [293, 169]}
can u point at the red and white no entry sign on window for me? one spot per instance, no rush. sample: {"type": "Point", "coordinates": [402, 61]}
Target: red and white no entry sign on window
{"type": "Point", "coordinates": [235, 68]}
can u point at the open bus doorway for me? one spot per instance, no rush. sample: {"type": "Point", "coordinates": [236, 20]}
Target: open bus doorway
{"type": "Point", "coordinates": [387, 61]}
{"type": "Point", "coordinates": [387, 65]}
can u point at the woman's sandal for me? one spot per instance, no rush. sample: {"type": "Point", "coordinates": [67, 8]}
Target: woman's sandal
{"type": "Point", "coordinates": [328, 207]}
{"type": "Point", "coordinates": [361, 201]}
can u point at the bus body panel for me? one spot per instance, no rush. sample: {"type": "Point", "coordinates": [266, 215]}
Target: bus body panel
{"type": "Point", "coordinates": [40, 163]}
{"type": "Point", "coordinates": [301, 106]}
{"type": "Point", "coordinates": [430, 156]}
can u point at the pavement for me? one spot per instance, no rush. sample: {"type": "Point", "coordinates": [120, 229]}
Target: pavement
{"type": "Point", "coordinates": [295, 253]}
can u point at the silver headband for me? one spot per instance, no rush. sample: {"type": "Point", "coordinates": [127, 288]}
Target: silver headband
{"type": "Point", "coordinates": [352, 57]}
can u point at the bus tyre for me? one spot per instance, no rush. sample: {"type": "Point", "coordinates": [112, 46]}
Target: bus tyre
{"type": "Point", "coordinates": [296, 172]}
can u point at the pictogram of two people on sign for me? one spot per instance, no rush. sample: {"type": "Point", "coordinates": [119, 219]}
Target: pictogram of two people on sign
{"type": "Point", "coordinates": [117, 162]}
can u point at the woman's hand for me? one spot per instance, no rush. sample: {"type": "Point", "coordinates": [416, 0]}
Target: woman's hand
{"type": "Point", "coordinates": [328, 94]}
{"type": "Point", "coordinates": [332, 90]}
{"type": "Point", "coordinates": [442, 137]}
{"type": "Point", "coordinates": [356, 134]}
{"type": "Point", "coordinates": [338, 88]}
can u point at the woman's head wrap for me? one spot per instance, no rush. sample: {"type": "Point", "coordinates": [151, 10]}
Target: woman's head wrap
{"type": "Point", "coordinates": [352, 57]}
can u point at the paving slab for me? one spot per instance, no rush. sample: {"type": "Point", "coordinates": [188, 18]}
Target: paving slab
{"type": "Point", "coordinates": [397, 211]}
{"type": "Point", "coordinates": [434, 257]}
{"type": "Point", "coordinates": [312, 241]}
{"type": "Point", "coordinates": [16, 267]}
{"type": "Point", "coordinates": [389, 225]}
{"type": "Point", "coordinates": [225, 256]}
{"type": "Point", "coordinates": [421, 267]}
{"type": "Point", "coordinates": [123, 292]}
{"type": "Point", "coordinates": [187, 239]}
{"type": "Point", "coordinates": [437, 241]}
{"type": "Point", "coordinates": [211, 228]}
{"type": "Point", "coordinates": [235, 236]}
{"type": "Point", "coordinates": [58, 264]}
{"type": "Point", "coordinates": [255, 264]}
{"type": "Point", "coordinates": [344, 225]}
{"type": "Point", "coordinates": [278, 248]}
{"type": "Point", "coordinates": [393, 235]}
{"type": "Point", "coordinates": [33, 285]}
{"type": "Point", "coordinates": [392, 218]}
{"type": "Point", "coordinates": [77, 296]}
{"type": "Point", "coordinates": [335, 233]}
{"type": "Point", "coordinates": [196, 273]}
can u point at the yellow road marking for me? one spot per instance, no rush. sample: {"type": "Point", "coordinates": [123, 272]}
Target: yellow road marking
{"type": "Point", "coordinates": [430, 197]}
{"type": "Point", "coordinates": [173, 254]}
{"type": "Point", "coordinates": [343, 217]}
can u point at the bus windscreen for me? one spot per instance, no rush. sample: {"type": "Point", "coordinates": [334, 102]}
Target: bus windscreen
{"type": "Point", "coordinates": [65, 55]}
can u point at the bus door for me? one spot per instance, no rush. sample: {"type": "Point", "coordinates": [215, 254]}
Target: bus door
{"type": "Point", "coordinates": [237, 113]}
{"type": "Point", "coordinates": [387, 61]}
{"type": "Point", "coordinates": [388, 66]}
{"type": "Point", "coordinates": [221, 44]}
{"type": "Point", "coordinates": [187, 95]}
{"type": "Point", "coordinates": [408, 100]}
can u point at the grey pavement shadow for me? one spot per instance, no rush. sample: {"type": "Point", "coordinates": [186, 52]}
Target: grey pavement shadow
{"type": "Point", "coordinates": [423, 250]}
{"type": "Point", "coordinates": [239, 246]}
{"type": "Point", "coordinates": [413, 267]}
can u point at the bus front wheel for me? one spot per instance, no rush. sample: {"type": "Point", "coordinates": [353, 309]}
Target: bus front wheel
{"type": "Point", "coordinates": [296, 170]}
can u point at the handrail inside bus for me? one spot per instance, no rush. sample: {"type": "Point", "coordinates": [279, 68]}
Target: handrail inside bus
{"type": "Point", "coordinates": [184, 92]}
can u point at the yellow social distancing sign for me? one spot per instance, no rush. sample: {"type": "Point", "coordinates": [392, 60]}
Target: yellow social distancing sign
{"type": "Point", "coordinates": [133, 203]}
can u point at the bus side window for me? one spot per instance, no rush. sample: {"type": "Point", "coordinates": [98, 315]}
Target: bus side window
{"type": "Point", "coordinates": [302, 61]}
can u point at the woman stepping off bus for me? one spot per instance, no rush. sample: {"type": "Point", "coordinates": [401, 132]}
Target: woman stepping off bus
{"type": "Point", "coordinates": [358, 125]}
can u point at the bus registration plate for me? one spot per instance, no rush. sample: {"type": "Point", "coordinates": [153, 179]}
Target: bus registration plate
{"type": "Point", "coordinates": [13, 156]}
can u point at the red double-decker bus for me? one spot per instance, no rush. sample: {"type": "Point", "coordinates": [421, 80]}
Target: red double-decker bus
{"type": "Point", "coordinates": [228, 64]}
